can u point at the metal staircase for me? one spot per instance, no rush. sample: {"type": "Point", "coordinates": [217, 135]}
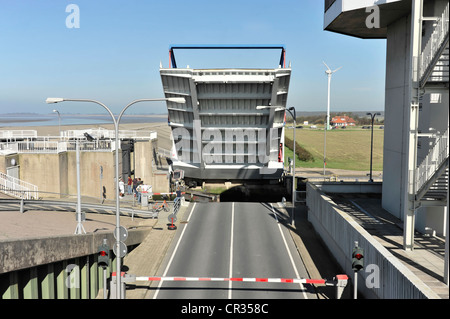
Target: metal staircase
{"type": "Point", "coordinates": [434, 59]}
{"type": "Point", "coordinates": [431, 176]}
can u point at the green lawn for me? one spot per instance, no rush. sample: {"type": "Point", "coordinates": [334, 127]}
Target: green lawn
{"type": "Point", "coordinates": [346, 148]}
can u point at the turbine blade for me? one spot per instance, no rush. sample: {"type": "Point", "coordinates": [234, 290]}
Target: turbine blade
{"type": "Point", "coordinates": [326, 66]}
{"type": "Point", "coordinates": [337, 69]}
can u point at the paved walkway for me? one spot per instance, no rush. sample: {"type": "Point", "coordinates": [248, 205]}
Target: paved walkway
{"type": "Point", "coordinates": [426, 261]}
{"type": "Point", "coordinates": [145, 260]}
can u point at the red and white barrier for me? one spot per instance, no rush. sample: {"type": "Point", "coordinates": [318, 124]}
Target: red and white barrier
{"type": "Point", "coordinates": [173, 193]}
{"type": "Point", "coordinates": [272, 280]}
{"type": "Point", "coordinates": [340, 281]}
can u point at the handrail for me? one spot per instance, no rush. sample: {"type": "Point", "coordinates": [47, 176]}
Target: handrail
{"type": "Point", "coordinates": [431, 163]}
{"type": "Point", "coordinates": [13, 134]}
{"type": "Point", "coordinates": [433, 46]}
{"type": "Point", "coordinates": [18, 188]}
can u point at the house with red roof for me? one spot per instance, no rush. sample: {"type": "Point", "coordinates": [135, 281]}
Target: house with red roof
{"type": "Point", "coordinates": [342, 120]}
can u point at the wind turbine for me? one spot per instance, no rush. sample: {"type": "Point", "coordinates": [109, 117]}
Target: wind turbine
{"type": "Point", "coordinates": [329, 73]}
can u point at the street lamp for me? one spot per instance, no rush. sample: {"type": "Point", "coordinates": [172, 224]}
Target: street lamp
{"type": "Point", "coordinates": [371, 143]}
{"type": "Point", "coordinates": [325, 147]}
{"type": "Point", "coordinates": [59, 122]}
{"type": "Point", "coordinates": [116, 127]}
{"type": "Point", "coordinates": [294, 116]}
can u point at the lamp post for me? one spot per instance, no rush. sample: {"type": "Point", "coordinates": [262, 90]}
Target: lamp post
{"type": "Point", "coordinates": [116, 127]}
{"type": "Point", "coordinates": [371, 143]}
{"type": "Point", "coordinates": [294, 116]}
{"type": "Point", "coordinates": [324, 147]}
{"type": "Point", "coordinates": [59, 122]}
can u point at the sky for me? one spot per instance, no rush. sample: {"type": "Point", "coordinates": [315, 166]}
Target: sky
{"type": "Point", "coordinates": [114, 54]}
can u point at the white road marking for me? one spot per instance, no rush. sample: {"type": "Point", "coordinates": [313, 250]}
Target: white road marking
{"type": "Point", "coordinates": [231, 251]}
{"type": "Point", "coordinates": [290, 256]}
{"type": "Point", "coordinates": [173, 254]}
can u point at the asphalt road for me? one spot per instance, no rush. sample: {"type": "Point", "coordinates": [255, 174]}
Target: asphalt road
{"type": "Point", "coordinates": [243, 240]}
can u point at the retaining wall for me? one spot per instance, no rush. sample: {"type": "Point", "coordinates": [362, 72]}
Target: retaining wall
{"type": "Point", "coordinates": [339, 232]}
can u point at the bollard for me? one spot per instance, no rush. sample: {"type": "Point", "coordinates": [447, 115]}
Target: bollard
{"type": "Point", "coordinates": [340, 285]}
{"type": "Point", "coordinates": [21, 206]}
{"type": "Point", "coordinates": [124, 279]}
{"type": "Point", "coordinates": [340, 282]}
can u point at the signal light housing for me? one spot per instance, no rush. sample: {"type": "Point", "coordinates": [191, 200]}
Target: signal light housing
{"type": "Point", "coordinates": [103, 256]}
{"type": "Point", "coordinates": [357, 259]}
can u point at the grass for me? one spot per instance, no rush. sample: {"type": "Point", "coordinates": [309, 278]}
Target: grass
{"type": "Point", "coordinates": [345, 148]}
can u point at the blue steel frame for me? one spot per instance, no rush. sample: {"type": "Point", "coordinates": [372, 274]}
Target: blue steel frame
{"type": "Point", "coordinates": [226, 46]}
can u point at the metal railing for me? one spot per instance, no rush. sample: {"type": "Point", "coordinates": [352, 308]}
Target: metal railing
{"type": "Point", "coordinates": [110, 134]}
{"type": "Point", "coordinates": [431, 163]}
{"type": "Point", "coordinates": [13, 134]}
{"type": "Point", "coordinates": [440, 33]}
{"type": "Point", "coordinates": [176, 205]}
{"type": "Point", "coordinates": [17, 188]}
{"type": "Point", "coordinates": [55, 147]}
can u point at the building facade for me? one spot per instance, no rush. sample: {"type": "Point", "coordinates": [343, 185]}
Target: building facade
{"type": "Point", "coordinates": [415, 167]}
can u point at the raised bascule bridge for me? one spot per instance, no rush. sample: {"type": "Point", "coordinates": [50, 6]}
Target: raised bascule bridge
{"type": "Point", "coordinates": [232, 124]}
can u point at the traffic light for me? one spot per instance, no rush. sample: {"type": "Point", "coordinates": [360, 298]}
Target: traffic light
{"type": "Point", "coordinates": [357, 259]}
{"type": "Point", "coordinates": [103, 256]}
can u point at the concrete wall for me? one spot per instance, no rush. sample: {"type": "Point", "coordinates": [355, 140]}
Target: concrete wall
{"type": "Point", "coordinates": [56, 174]}
{"type": "Point", "coordinates": [396, 117]}
{"type": "Point", "coordinates": [26, 253]}
{"type": "Point", "coordinates": [44, 171]}
{"type": "Point", "coordinates": [59, 267]}
{"type": "Point", "coordinates": [339, 232]}
{"type": "Point", "coordinates": [143, 153]}
{"type": "Point", "coordinates": [90, 163]}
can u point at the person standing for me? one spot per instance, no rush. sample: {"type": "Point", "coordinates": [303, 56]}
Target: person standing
{"type": "Point", "coordinates": [135, 184]}
{"type": "Point", "coordinates": [130, 185]}
{"type": "Point", "coordinates": [121, 187]}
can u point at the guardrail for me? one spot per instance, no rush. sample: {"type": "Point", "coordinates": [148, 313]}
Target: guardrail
{"type": "Point", "coordinates": [28, 204]}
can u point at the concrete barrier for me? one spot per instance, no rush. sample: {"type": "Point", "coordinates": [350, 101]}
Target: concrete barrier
{"type": "Point", "coordinates": [339, 232]}
{"type": "Point", "coordinates": [21, 254]}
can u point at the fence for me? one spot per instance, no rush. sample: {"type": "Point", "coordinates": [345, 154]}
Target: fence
{"type": "Point", "coordinates": [14, 134]}
{"type": "Point", "coordinates": [110, 134]}
{"type": "Point", "coordinates": [55, 147]}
